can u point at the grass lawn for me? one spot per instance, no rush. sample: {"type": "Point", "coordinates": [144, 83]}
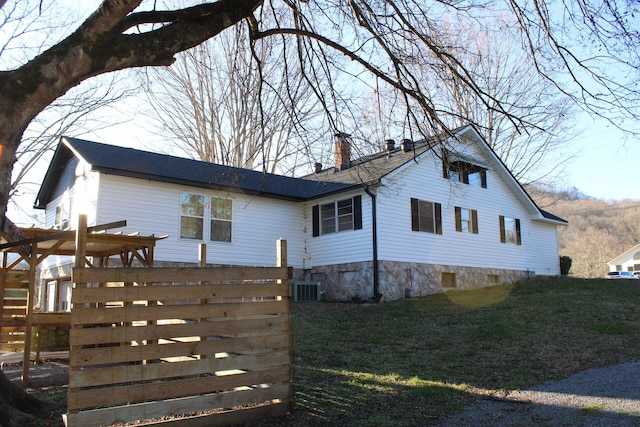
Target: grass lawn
{"type": "Point", "coordinates": [406, 362]}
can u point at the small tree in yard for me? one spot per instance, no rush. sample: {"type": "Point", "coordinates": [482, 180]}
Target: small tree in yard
{"type": "Point", "coordinates": [565, 265]}
{"type": "Point", "coordinates": [337, 45]}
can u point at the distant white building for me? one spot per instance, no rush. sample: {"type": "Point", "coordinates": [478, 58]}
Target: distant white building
{"type": "Point", "coordinates": [629, 260]}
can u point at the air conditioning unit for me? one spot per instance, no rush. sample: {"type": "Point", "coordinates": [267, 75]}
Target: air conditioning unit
{"type": "Point", "coordinates": [306, 291]}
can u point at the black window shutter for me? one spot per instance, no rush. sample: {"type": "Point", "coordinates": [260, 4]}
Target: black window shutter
{"type": "Point", "coordinates": [415, 218]}
{"type": "Point", "coordinates": [474, 221]}
{"type": "Point", "coordinates": [357, 212]}
{"type": "Point", "coordinates": [519, 241]}
{"type": "Point", "coordinates": [316, 220]}
{"type": "Point", "coordinates": [438, 215]}
{"type": "Point", "coordinates": [483, 178]}
{"type": "Point", "coordinates": [458, 219]}
{"type": "Point", "coordinates": [502, 234]}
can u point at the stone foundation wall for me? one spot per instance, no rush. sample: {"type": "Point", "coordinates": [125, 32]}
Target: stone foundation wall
{"type": "Point", "coordinates": [406, 280]}
{"type": "Point", "coordinates": [343, 282]}
{"type": "Point", "coordinates": [397, 280]}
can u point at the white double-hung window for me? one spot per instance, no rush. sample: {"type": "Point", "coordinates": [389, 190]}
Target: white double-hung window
{"type": "Point", "coordinates": [340, 215]}
{"type": "Point", "coordinates": [510, 230]}
{"type": "Point", "coordinates": [191, 216]}
{"type": "Point", "coordinates": [221, 212]}
{"type": "Point", "coordinates": [194, 217]}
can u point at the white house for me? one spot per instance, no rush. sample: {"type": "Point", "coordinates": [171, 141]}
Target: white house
{"type": "Point", "coordinates": [629, 260]}
{"type": "Point", "coordinates": [408, 221]}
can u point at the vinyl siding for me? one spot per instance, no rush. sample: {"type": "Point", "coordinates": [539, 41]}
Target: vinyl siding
{"type": "Point", "coordinates": [82, 199]}
{"type": "Point", "coordinates": [340, 247]}
{"type": "Point", "coordinates": [546, 255]}
{"type": "Point", "coordinates": [154, 208]}
{"type": "Point", "coordinates": [424, 181]}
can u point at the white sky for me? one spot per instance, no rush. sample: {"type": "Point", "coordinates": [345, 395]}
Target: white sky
{"type": "Point", "coordinates": [607, 164]}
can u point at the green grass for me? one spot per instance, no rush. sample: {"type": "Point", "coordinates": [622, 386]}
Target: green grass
{"type": "Point", "coordinates": [408, 362]}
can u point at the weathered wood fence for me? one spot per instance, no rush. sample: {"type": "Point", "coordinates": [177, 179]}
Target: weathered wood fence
{"type": "Point", "coordinates": [13, 312]}
{"type": "Point", "coordinates": [193, 346]}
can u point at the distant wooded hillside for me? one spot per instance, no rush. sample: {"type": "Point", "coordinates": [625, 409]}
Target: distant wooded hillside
{"type": "Point", "coordinates": [598, 230]}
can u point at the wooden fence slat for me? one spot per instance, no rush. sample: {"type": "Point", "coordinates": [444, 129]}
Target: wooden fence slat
{"type": "Point", "coordinates": [224, 327]}
{"type": "Point", "coordinates": [99, 315]}
{"type": "Point", "coordinates": [13, 312]}
{"type": "Point", "coordinates": [234, 416]}
{"type": "Point", "coordinates": [135, 393]}
{"type": "Point", "coordinates": [7, 329]}
{"type": "Point", "coordinates": [123, 354]}
{"type": "Point", "coordinates": [158, 409]}
{"type": "Point", "coordinates": [52, 318]}
{"type": "Point", "coordinates": [14, 286]}
{"type": "Point", "coordinates": [12, 331]}
{"type": "Point", "coordinates": [12, 337]}
{"type": "Point", "coordinates": [16, 323]}
{"type": "Point", "coordinates": [18, 346]}
{"type": "Point", "coordinates": [174, 292]}
{"type": "Point", "coordinates": [159, 371]}
{"type": "Point", "coordinates": [17, 275]}
{"type": "Point", "coordinates": [182, 274]}
{"type": "Point", "coordinates": [12, 302]}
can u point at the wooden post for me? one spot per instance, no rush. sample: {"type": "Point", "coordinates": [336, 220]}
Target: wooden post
{"type": "Point", "coordinates": [81, 255]}
{"type": "Point", "coordinates": [3, 284]}
{"type": "Point", "coordinates": [281, 253]}
{"type": "Point", "coordinates": [81, 241]}
{"type": "Point", "coordinates": [281, 261]}
{"type": "Point", "coordinates": [26, 360]}
{"type": "Point", "coordinates": [202, 259]}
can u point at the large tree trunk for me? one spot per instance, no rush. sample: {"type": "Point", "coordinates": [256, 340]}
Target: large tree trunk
{"type": "Point", "coordinates": [17, 407]}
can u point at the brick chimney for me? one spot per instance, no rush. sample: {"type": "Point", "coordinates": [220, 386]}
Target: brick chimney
{"type": "Point", "coordinates": [343, 151]}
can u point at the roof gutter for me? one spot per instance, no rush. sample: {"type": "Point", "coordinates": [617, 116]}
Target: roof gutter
{"type": "Point", "coordinates": [374, 241]}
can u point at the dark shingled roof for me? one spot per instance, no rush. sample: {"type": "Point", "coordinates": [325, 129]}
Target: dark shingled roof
{"type": "Point", "coordinates": [110, 159]}
{"type": "Point", "coordinates": [369, 169]}
{"type": "Point", "coordinates": [129, 162]}
{"type": "Point", "coordinates": [549, 215]}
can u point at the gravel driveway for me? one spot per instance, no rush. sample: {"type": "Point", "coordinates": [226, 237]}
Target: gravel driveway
{"type": "Point", "coordinates": [51, 373]}
{"type": "Point", "coordinates": [596, 397]}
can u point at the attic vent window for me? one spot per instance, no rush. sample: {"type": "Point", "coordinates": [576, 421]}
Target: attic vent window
{"type": "Point", "coordinates": [62, 212]}
{"type": "Point", "coordinates": [467, 173]}
{"type": "Point", "coordinates": [62, 218]}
